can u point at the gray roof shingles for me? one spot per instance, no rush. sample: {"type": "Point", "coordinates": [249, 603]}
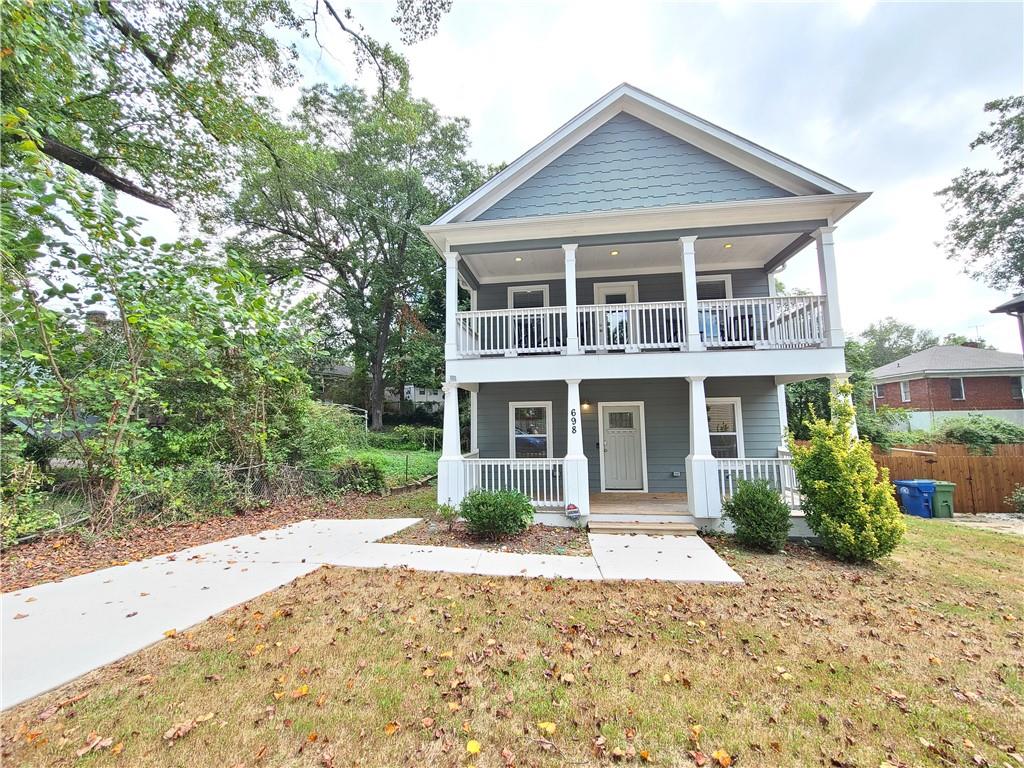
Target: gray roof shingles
{"type": "Point", "coordinates": [953, 360]}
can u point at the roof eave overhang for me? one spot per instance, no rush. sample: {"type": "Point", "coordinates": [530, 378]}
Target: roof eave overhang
{"type": "Point", "coordinates": [745, 154]}
{"type": "Point", "coordinates": [955, 374]}
{"type": "Point", "coordinates": [674, 219]}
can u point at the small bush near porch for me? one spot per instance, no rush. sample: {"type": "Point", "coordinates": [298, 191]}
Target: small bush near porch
{"type": "Point", "coordinates": [493, 514]}
{"type": "Point", "coordinates": [758, 514]}
{"type": "Point", "coordinates": [913, 662]}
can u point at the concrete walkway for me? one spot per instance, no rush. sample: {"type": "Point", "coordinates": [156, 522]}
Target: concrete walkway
{"type": "Point", "coordinates": [56, 632]}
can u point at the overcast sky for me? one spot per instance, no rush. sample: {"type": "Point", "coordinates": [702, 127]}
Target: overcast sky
{"type": "Point", "coordinates": [883, 97]}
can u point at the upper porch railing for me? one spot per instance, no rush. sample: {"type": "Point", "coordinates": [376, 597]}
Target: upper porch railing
{"type": "Point", "coordinates": [769, 322]}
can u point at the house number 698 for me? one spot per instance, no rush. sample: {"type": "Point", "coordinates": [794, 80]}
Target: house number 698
{"type": "Point", "coordinates": [572, 420]}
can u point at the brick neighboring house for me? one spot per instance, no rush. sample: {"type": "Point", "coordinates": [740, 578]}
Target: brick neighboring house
{"type": "Point", "coordinates": [944, 381]}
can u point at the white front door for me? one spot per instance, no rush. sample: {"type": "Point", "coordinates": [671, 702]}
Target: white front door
{"type": "Point", "coordinates": [622, 439]}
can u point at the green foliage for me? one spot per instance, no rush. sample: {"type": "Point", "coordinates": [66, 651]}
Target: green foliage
{"type": "Point", "coordinates": [24, 507]}
{"type": "Point", "coordinates": [1016, 499]}
{"type": "Point", "coordinates": [447, 514]}
{"type": "Point", "coordinates": [882, 426]}
{"type": "Point", "coordinates": [889, 340]}
{"type": "Point", "coordinates": [363, 474]}
{"type": "Point", "coordinates": [323, 430]}
{"type": "Point", "coordinates": [408, 437]}
{"type": "Point", "coordinates": [847, 502]}
{"type": "Point", "coordinates": [493, 514]}
{"type": "Point", "coordinates": [978, 431]}
{"type": "Point", "coordinates": [985, 231]}
{"type": "Point", "coordinates": [759, 515]}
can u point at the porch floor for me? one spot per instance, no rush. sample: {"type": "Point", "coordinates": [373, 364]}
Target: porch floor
{"type": "Point", "coordinates": [618, 503]}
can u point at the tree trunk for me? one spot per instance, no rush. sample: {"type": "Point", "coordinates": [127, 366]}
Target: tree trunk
{"type": "Point", "coordinates": [377, 366]}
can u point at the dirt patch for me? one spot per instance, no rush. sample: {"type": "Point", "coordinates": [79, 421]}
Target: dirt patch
{"type": "Point", "coordinates": [537, 539]}
{"type": "Point", "coordinates": [59, 557]}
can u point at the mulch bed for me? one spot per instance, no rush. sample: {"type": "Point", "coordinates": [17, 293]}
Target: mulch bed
{"type": "Point", "coordinates": [58, 557]}
{"type": "Point", "coordinates": [537, 539]}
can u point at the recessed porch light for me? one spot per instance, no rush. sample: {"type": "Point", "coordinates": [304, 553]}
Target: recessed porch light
{"type": "Point", "coordinates": [615, 253]}
{"type": "Point", "coordinates": [519, 258]}
{"type": "Point", "coordinates": [727, 245]}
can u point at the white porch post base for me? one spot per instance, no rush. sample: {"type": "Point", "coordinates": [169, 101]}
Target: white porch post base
{"type": "Point", "coordinates": [703, 495]}
{"type": "Point", "coordinates": [577, 484]}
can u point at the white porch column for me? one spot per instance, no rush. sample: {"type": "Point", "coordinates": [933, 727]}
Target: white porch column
{"type": "Point", "coordinates": [576, 479]}
{"type": "Point", "coordinates": [702, 488]}
{"type": "Point", "coordinates": [451, 303]}
{"type": "Point", "coordinates": [838, 380]}
{"type": "Point", "coordinates": [689, 259]}
{"type": "Point", "coordinates": [829, 285]}
{"type": "Point", "coordinates": [450, 488]}
{"type": "Point", "coordinates": [572, 338]}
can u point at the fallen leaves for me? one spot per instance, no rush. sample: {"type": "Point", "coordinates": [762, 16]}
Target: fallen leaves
{"type": "Point", "coordinates": [178, 730]}
{"type": "Point", "coordinates": [391, 728]}
{"type": "Point", "coordinates": [473, 747]}
{"type": "Point", "coordinates": [546, 727]}
{"type": "Point", "coordinates": [94, 743]}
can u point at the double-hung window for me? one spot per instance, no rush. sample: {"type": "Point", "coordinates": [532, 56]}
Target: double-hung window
{"type": "Point", "coordinates": [725, 422]}
{"type": "Point", "coordinates": [905, 391]}
{"type": "Point", "coordinates": [880, 390]}
{"type": "Point", "coordinates": [956, 389]}
{"type": "Point", "coordinates": [530, 430]}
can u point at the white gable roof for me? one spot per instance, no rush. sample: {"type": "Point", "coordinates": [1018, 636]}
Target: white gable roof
{"type": "Point", "coordinates": [711, 138]}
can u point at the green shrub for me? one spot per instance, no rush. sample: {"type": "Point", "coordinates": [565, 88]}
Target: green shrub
{"type": "Point", "coordinates": [447, 514]}
{"type": "Point", "coordinates": [407, 437]}
{"type": "Point", "coordinates": [493, 514]}
{"type": "Point", "coordinates": [24, 507]}
{"type": "Point", "coordinates": [847, 502]}
{"type": "Point", "coordinates": [323, 431]}
{"type": "Point", "coordinates": [978, 431]}
{"type": "Point", "coordinates": [759, 515]}
{"type": "Point", "coordinates": [1016, 499]}
{"type": "Point", "coordinates": [363, 473]}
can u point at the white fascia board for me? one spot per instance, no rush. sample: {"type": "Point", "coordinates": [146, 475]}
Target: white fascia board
{"type": "Point", "coordinates": [799, 363]}
{"type": "Point", "coordinates": [973, 374]}
{"type": "Point", "coordinates": [570, 226]}
{"type": "Point", "coordinates": [732, 148]}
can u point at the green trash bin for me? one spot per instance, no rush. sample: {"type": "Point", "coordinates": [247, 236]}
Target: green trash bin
{"type": "Point", "coordinates": [942, 500]}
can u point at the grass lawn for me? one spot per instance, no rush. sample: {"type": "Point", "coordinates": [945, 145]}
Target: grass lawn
{"type": "Point", "coordinates": [916, 662]}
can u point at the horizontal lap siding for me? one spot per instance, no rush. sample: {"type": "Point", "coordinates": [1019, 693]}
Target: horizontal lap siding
{"type": "Point", "coordinates": [762, 433]}
{"type": "Point", "coordinates": [666, 409]}
{"type": "Point", "coordinates": [668, 286]}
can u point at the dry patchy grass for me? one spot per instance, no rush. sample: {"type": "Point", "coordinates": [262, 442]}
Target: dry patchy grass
{"type": "Point", "coordinates": [916, 662]}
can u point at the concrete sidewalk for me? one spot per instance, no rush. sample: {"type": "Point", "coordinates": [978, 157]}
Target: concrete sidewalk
{"type": "Point", "coordinates": [56, 632]}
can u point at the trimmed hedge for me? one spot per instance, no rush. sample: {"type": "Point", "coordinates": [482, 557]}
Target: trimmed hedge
{"type": "Point", "coordinates": [759, 515]}
{"type": "Point", "coordinates": [493, 514]}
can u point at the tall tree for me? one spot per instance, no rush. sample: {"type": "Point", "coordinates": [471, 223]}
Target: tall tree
{"type": "Point", "coordinates": [985, 231]}
{"type": "Point", "coordinates": [341, 206]}
{"type": "Point", "coordinates": [890, 339]}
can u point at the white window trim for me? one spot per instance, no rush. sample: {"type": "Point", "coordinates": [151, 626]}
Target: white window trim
{"type": "Point", "coordinates": [630, 287]}
{"type": "Point", "coordinates": [880, 390]}
{"type": "Point", "coordinates": [905, 398]}
{"type": "Point", "coordinates": [543, 287]}
{"type": "Point", "coordinates": [963, 389]}
{"type": "Point", "coordinates": [717, 279]}
{"type": "Point", "coordinates": [512, 424]}
{"type": "Point", "coordinates": [643, 441]}
{"type": "Point", "coordinates": [737, 403]}
{"type": "Point", "coordinates": [1021, 381]}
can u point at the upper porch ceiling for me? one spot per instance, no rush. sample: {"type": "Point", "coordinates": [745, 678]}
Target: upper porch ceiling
{"type": "Point", "coordinates": [629, 258]}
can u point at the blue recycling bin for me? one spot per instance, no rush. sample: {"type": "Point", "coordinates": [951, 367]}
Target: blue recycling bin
{"type": "Point", "coordinates": [915, 496]}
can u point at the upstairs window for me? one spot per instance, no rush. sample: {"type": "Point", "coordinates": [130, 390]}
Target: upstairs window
{"type": "Point", "coordinates": [905, 391]}
{"type": "Point", "coordinates": [528, 297]}
{"type": "Point", "coordinates": [956, 389]}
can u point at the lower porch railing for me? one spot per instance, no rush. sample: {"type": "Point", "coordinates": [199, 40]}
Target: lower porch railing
{"type": "Point", "coordinates": [542, 480]}
{"type": "Point", "coordinates": [778, 472]}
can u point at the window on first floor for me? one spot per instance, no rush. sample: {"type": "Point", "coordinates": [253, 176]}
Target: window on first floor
{"type": "Point", "coordinates": [530, 427]}
{"type": "Point", "coordinates": [905, 391]}
{"type": "Point", "coordinates": [725, 422]}
{"type": "Point", "coordinates": [879, 390]}
{"type": "Point", "coordinates": [956, 389]}
{"type": "Point", "coordinates": [1017, 387]}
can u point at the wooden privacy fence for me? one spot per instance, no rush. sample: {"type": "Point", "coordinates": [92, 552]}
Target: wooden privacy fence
{"type": "Point", "coordinates": [982, 482]}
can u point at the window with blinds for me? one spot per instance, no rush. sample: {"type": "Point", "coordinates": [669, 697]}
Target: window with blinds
{"type": "Point", "coordinates": [722, 422]}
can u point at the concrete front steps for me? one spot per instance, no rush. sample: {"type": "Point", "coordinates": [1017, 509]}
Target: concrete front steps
{"type": "Point", "coordinates": [642, 525]}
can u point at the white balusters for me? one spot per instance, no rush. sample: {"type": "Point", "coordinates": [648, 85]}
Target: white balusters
{"type": "Point", "coordinates": [539, 479]}
{"type": "Point", "coordinates": [778, 472]}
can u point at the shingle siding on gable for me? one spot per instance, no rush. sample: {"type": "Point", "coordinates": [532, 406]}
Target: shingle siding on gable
{"type": "Point", "coordinates": [628, 163]}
